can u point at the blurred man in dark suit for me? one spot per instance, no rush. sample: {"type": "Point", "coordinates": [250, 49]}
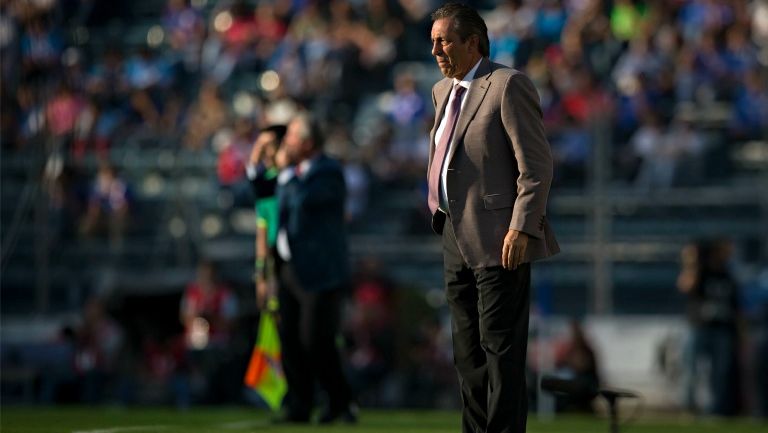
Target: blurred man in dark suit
{"type": "Point", "coordinates": [313, 272]}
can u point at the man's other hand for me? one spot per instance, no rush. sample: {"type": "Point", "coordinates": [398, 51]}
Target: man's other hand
{"type": "Point", "coordinates": [513, 251]}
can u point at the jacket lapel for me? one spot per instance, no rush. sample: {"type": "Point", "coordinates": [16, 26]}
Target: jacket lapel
{"type": "Point", "coordinates": [442, 93]}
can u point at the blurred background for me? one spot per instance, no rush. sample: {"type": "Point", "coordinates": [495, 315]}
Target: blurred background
{"type": "Point", "coordinates": [126, 126]}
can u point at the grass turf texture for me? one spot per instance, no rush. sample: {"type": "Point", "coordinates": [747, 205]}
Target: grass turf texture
{"type": "Point", "coordinates": [234, 420]}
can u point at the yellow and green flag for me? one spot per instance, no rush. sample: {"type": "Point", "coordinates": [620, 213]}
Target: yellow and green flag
{"type": "Point", "coordinates": [265, 372]}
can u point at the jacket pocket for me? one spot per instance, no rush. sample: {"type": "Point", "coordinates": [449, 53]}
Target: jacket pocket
{"type": "Point", "coordinates": [498, 201]}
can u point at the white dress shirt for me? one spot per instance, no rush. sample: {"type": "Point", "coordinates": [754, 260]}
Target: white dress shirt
{"type": "Point", "coordinates": [285, 176]}
{"type": "Point", "coordinates": [465, 83]}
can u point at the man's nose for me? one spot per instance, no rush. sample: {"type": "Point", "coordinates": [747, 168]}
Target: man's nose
{"type": "Point", "coordinates": [437, 49]}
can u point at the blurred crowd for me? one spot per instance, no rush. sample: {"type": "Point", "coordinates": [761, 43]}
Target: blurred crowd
{"type": "Point", "coordinates": [671, 87]}
{"type": "Point", "coordinates": [672, 82]}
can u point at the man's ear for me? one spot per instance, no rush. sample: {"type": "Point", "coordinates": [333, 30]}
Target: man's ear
{"type": "Point", "coordinates": [474, 42]}
{"type": "Point", "coordinates": [308, 146]}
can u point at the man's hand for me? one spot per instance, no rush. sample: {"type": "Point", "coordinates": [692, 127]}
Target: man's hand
{"type": "Point", "coordinates": [258, 146]}
{"type": "Point", "coordinates": [256, 152]}
{"type": "Point", "coordinates": [262, 293]}
{"type": "Point", "coordinates": [513, 251]}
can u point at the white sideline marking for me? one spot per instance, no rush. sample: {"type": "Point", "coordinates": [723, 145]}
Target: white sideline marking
{"type": "Point", "coordinates": [124, 429]}
{"type": "Point", "coordinates": [235, 425]}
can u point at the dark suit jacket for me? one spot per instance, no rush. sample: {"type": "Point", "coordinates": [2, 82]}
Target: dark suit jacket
{"type": "Point", "coordinates": [312, 213]}
{"type": "Point", "coordinates": [501, 171]}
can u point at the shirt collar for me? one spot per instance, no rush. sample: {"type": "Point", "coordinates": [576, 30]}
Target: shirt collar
{"type": "Point", "coordinates": [467, 80]}
{"type": "Point", "coordinates": [305, 165]}
{"type": "Point", "coordinates": [292, 171]}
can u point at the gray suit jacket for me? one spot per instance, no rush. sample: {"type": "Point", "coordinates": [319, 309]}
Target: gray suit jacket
{"type": "Point", "coordinates": [501, 171]}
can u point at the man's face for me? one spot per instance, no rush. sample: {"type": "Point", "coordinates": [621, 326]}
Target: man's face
{"type": "Point", "coordinates": [295, 144]}
{"type": "Point", "coordinates": [454, 57]}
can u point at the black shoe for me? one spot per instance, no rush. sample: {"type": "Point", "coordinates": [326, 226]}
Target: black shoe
{"type": "Point", "coordinates": [347, 415]}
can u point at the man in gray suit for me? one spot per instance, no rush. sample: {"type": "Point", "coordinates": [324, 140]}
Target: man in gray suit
{"type": "Point", "coordinates": [489, 175]}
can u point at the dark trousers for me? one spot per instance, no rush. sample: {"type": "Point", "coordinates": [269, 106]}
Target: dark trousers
{"type": "Point", "coordinates": [717, 346]}
{"type": "Point", "coordinates": [489, 309]}
{"type": "Point", "coordinates": [309, 322]}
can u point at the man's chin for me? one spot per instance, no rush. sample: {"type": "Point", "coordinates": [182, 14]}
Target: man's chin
{"type": "Point", "coordinates": [448, 72]}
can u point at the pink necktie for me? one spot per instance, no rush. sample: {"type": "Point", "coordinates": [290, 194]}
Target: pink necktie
{"type": "Point", "coordinates": [442, 148]}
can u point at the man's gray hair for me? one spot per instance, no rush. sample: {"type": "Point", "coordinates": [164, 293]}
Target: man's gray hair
{"type": "Point", "coordinates": [466, 22]}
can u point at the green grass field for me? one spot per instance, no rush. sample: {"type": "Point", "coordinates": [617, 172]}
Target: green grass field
{"type": "Point", "coordinates": [234, 420]}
